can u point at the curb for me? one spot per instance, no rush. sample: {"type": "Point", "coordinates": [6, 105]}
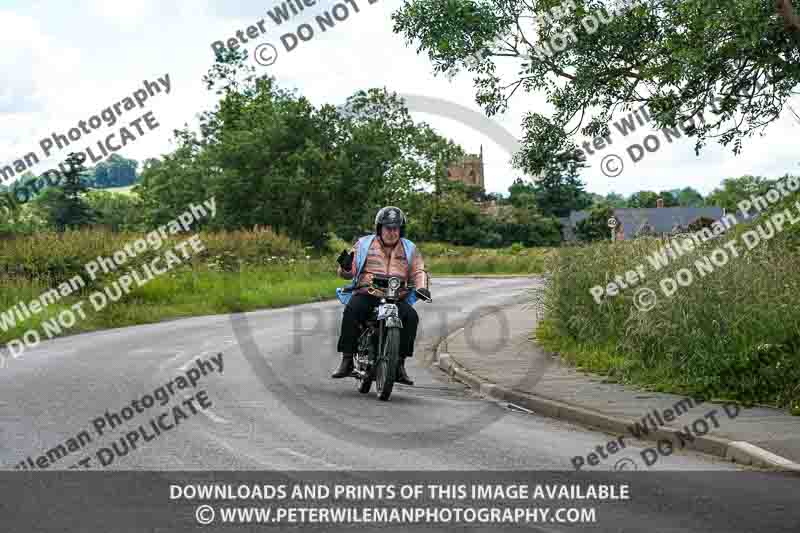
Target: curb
{"type": "Point", "coordinates": [740, 452]}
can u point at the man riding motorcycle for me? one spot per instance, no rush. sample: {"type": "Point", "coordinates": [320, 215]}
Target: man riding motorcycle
{"type": "Point", "coordinates": [383, 256]}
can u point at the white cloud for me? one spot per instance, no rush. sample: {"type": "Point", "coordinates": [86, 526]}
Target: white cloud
{"type": "Point", "coordinates": [35, 65]}
{"type": "Point", "coordinates": [32, 61]}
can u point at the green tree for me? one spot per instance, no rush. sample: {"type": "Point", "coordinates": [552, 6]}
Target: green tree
{"type": "Point", "coordinates": [615, 200]}
{"type": "Point", "coordinates": [16, 218]}
{"type": "Point", "coordinates": [522, 194]}
{"type": "Point", "coordinates": [670, 200]}
{"type": "Point", "coordinates": [529, 227]}
{"type": "Point", "coordinates": [734, 190]}
{"type": "Point", "coordinates": [454, 218]}
{"type": "Point", "coordinates": [559, 190]}
{"type": "Point", "coordinates": [168, 185]}
{"type": "Point", "coordinates": [595, 198]}
{"type": "Point", "coordinates": [400, 157]}
{"type": "Point", "coordinates": [64, 207]}
{"type": "Point", "coordinates": [118, 212]}
{"type": "Point", "coordinates": [739, 60]}
{"type": "Point", "coordinates": [557, 195]}
{"type": "Point", "coordinates": [689, 197]}
{"type": "Point", "coordinates": [272, 158]}
{"type": "Point", "coordinates": [595, 226]}
{"type": "Point", "coordinates": [642, 199]}
{"type": "Point", "coordinates": [8, 202]}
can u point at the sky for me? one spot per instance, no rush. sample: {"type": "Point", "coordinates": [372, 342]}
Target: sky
{"type": "Point", "coordinates": [64, 62]}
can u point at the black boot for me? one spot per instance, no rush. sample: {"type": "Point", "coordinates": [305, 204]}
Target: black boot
{"type": "Point", "coordinates": [345, 367]}
{"type": "Point", "coordinates": [402, 377]}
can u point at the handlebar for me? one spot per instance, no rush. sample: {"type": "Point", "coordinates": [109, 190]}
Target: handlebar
{"type": "Point", "coordinates": [380, 281]}
{"type": "Point", "coordinates": [411, 287]}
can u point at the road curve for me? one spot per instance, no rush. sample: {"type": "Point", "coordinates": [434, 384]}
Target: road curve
{"type": "Point", "coordinates": [274, 407]}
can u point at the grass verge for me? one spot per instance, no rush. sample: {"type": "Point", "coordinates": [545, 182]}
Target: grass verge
{"type": "Point", "coordinates": [237, 272]}
{"type": "Point", "coordinates": [732, 334]}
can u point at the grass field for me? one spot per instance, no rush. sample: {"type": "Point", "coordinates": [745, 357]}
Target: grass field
{"type": "Point", "coordinates": [120, 190]}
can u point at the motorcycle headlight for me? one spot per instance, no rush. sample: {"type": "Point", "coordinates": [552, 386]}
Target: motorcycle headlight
{"type": "Point", "coordinates": [394, 284]}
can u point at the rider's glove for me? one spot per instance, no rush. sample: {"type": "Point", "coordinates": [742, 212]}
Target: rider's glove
{"type": "Point", "coordinates": [425, 293]}
{"type": "Point", "coordinates": [345, 260]}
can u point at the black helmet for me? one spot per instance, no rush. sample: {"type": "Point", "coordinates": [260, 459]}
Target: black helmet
{"type": "Point", "coordinates": [390, 216]}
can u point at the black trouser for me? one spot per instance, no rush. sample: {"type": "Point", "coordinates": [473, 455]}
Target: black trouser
{"type": "Point", "coordinates": [358, 309]}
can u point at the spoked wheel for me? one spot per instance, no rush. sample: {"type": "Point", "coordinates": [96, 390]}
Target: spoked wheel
{"type": "Point", "coordinates": [387, 364]}
{"type": "Point", "coordinates": [365, 344]}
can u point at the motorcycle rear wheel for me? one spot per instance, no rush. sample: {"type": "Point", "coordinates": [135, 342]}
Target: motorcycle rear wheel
{"type": "Point", "coordinates": [387, 364]}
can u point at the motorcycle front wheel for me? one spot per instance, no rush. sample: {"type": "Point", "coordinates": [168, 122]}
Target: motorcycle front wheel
{"type": "Point", "coordinates": [364, 385]}
{"type": "Point", "coordinates": [387, 364]}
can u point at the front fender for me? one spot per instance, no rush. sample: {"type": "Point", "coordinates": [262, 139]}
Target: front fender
{"type": "Point", "coordinates": [394, 322]}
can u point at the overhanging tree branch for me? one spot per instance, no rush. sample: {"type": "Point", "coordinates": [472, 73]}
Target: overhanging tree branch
{"type": "Point", "coordinates": [673, 55]}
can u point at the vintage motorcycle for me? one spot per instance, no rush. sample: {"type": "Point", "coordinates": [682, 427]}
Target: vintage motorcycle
{"type": "Point", "coordinates": [379, 341]}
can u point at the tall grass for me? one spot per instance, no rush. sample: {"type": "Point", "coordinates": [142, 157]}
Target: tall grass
{"type": "Point", "coordinates": [442, 259]}
{"type": "Point", "coordinates": [53, 258]}
{"type": "Point", "coordinates": [732, 334]}
{"type": "Point", "coordinates": [237, 271]}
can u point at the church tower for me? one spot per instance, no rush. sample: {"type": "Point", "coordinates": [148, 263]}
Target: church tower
{"type": "Point", "coordinates": [469, 171]}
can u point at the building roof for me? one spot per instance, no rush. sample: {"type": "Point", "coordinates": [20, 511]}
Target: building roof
{"type": "Point", "coordinates": [662, 219]}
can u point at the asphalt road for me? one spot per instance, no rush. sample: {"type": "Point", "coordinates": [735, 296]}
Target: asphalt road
{"type": "Point", "coordinates": [274, 407]}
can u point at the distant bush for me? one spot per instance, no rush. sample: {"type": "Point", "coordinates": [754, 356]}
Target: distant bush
{"type": "Point", "coordinates": [434, 249]}
{"type": "Point", "coordinates": [334, 244]}
{"type": "Point", "coordinates": [595, 227]}
{"type": "Point", "coordinates": [20, 221]}
{"type": "Point", "coordinates": [116, 211]}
